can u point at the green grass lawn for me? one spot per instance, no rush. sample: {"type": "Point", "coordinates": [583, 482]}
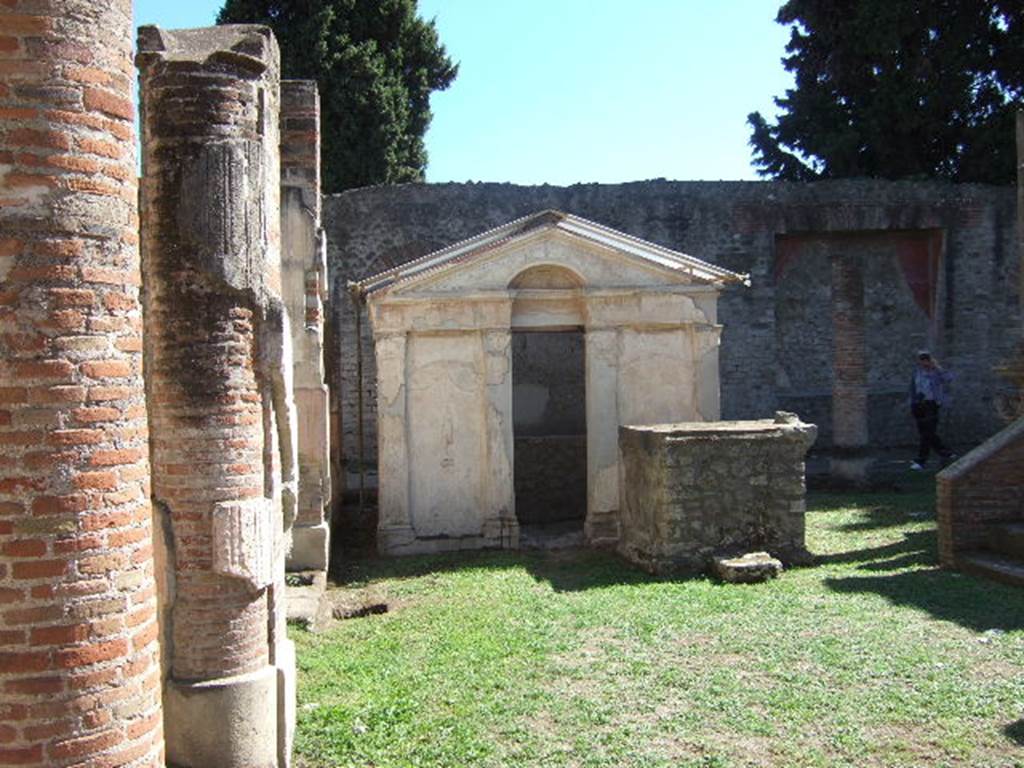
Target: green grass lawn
{"type": "Point", "coordinates": [873, 657]}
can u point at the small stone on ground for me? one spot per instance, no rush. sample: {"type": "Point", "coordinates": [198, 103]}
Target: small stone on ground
{"type": "Point", "coordinates": [749, 568]}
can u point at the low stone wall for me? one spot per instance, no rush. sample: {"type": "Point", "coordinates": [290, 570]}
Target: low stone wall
{"type": "Point", "coordinates": [694, 490]}
{"type": "Point", "coordinates": [985, 486]}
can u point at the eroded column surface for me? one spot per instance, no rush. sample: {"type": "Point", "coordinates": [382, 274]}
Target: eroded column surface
{"type": "Point", "coordinates": [304, 277]}
{"type": "Point", "coordinates": [219, 381]}
{"type": "Point", "coordinates": [79, 658]}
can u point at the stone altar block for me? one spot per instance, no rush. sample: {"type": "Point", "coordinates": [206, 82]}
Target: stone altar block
{"type": "Point", "coordinates": [693, 490]}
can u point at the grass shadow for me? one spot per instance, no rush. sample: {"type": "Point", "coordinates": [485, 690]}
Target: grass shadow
{"type": "Point", "coordinates": [566, 570]}
{"type": "Point", "coordinates": [916, 548]}
{"type": "Point", "coordinates": [972, 603]}
{"type": "Point", "coordinates": [1015, 731]}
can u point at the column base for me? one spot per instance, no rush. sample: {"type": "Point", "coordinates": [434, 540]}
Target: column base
{"type": "Point", "coordinates": [286, 704]}
{"type": "Point", "coordinates": [310, 548]}
{"type": "Point", "coordinates": [230, 722]}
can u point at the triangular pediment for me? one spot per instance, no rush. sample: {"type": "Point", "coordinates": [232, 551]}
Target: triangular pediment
{"type": "Point", "coordinates": [548, 249]}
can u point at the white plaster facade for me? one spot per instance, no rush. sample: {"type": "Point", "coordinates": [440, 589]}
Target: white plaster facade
{"type": "Point", "coordinates": [442, 327]}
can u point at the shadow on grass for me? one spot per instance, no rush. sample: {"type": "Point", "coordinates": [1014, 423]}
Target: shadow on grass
{"type": "Point", "coordinates": [972, 603]}
{"type": "Point", "coordinates": [914, 500]}
{"type": "Point", "coordinates": [915, 549]}
{"type": "Point", "coordinates": [1015, 731]}
{"type": "Point", "coordinates": [566, 570]}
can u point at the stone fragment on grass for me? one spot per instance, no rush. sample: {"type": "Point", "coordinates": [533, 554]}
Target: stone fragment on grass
{"type": "Point", "coordinates": [749, 568]}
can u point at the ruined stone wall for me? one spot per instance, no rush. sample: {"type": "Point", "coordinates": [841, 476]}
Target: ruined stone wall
{"type": "Point", "coordinates": [692, 491]}
{"type": "Point", "coordinates": [79, 657]}
{"type": "Point", "coordinates": [777, 345]}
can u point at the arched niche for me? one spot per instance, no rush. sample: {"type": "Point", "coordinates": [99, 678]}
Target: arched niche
{"type": "Point", "coordinates": [547, 296]}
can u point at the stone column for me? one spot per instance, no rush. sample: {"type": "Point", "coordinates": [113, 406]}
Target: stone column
{"type": "Point", "coordinates": [219, 384]}
{"type": "Point", "coordinates": [601, 527]}
{"type": "Point", "coordinates": [79, 656]}
{"type": "Point", "coordinates": [849, 369]}
{"type": "Point", "coordinates": [304, 278]}
{"type": "Point", "coordinates": [501, 528]}
{"type": "Point", "coordinates": [394, 527]}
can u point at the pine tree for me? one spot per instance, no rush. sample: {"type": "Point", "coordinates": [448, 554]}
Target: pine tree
{"type": "Point", "coordinates": [897, 89]}
{"type": "Point", "coordinates": [376, 63]}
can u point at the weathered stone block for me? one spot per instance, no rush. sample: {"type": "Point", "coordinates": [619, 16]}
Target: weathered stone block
{"type": "Point", "coordinates": [738, 496]}
{"type": "Point", "coordinates": [750, 568]}
{"type": "Point", "coordinates": [243, 544]}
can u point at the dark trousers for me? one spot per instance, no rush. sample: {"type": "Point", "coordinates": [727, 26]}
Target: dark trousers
{"type": "Point", "coordinates": [926, 414]}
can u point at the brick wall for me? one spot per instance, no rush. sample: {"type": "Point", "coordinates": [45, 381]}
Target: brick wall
{"type": "Point", "coordinates": [740, 225]}
{"type": "Point", "coordinates": [985, 486]}
{"type": "Point", "coordinates": [79, 666]}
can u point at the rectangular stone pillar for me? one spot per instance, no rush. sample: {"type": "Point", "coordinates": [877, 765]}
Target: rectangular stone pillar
{"type": "Point", "coordinates": [304, 284]}
{"type": "Point", "coordinates": [219, 373]}
{"type": "Point", "coordinates": [80, 669]}
{"type": "Point", "coordinates": [849, 369]}
{"type": "Point", "coordinates": [394, 528]}
{"type": "Point", "coordinates": [501, 528]}
{"type": "Point", "coordinates": [601, 527]}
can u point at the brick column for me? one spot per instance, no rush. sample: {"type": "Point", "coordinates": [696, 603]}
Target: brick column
{"type": "Point", "coordinates": [218, 378]}
{"type": "Point", "coordinates": [849, 368]}
{"type": "Point", "coordinates": [304, 278]}
{"type": "Point", "coordinates": [79, 659]}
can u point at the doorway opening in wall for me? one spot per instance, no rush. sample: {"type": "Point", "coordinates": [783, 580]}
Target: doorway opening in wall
{"type": "Point", "coordinates": [549, 417]}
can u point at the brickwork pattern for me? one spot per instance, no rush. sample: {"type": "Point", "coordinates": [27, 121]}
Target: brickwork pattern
{"type": "Point", "coordinates": [205, 393]}
{"type": "Point", "coordinates": [849, 377]}
{"type": "Point", "coordinates": [985, 486]}
{"type": "Point", "coordinates": [79, 657]}
{"type": "Point", "coordinates": [735, 225]}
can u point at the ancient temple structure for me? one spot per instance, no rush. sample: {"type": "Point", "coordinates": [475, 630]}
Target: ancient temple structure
{"type": "Point", "coordinates": [444, 329]}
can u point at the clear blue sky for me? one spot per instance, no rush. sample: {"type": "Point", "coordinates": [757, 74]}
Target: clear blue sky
{"type": "Point", "coordinates": [564, 91]}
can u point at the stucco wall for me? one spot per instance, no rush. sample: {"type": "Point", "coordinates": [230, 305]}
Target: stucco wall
{"type": "Point", "coordinates": [777, 344]}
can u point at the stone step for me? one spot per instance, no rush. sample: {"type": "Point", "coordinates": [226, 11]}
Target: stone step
{"type": "Point", "coordinates": [1007, 539]}
{"type": "Point", "coordinates": [993, 566]}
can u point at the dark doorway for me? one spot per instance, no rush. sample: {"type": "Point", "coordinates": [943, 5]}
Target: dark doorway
{"type": "Point", "coordinates": [550, 430]}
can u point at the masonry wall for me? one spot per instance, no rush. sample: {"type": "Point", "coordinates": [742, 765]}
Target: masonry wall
{"type": "Point", "coordinates": [774, 353]}
{"type": "Point", "coordinates": [79, 657]}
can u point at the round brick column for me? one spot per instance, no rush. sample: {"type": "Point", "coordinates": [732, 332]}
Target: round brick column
{"type": "Point", "coordinates": [214, 328]}
{"type": "Point", "coordinates": [79, 661]}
